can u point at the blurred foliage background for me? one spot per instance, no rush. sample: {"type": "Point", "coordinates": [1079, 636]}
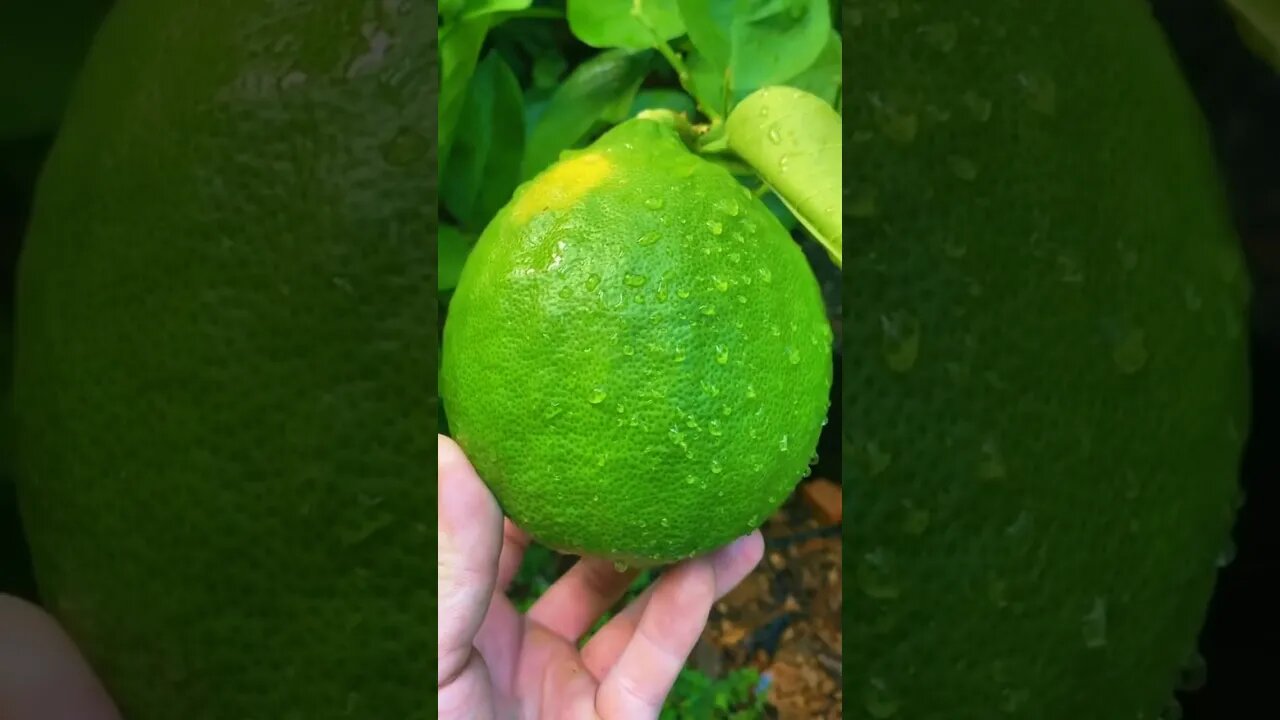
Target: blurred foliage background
{"type": "Point", "coordinates": [537, 69]}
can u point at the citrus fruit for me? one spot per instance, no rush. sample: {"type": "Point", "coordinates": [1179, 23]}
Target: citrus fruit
{"type": "Point", "coordinates": [224, 352]}
{"type": "Point", "coordinates": [637, 359]}
{"type": "Point", "coordinates": [1045, 378]}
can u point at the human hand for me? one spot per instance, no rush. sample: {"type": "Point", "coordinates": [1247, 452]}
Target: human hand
{"type": "Point", "coordinates": [493, 661]}
{"type": "Point", "coordinates": [42, 675]}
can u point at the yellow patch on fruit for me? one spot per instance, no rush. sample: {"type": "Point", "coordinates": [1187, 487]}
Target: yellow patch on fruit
{"type": "Point", "coordinates": [561, 185]}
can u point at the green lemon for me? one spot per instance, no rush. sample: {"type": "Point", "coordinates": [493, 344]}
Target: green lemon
{"type": "Point", "coordinates": [637, 358]}
{"type": "Point", "coordinates": [1045, 379]}
{"type": "Point", "coordinates": [223, 376]}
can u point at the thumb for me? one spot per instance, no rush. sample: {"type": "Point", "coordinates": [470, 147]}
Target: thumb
{"type": "Point", "coordinates": [42, 676]}
{"type": "Point", "coordinates": [469, 538]}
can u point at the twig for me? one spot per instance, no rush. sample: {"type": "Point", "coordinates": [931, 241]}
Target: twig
{"type": "Point", "coordinates": [682, 71]}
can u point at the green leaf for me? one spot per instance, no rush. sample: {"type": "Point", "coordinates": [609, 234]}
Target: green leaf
{"type": "Point", "coordinates": [453, 247]}
{"type": "Point", "coordinates": [593, 88]}
{"type": "Point", "coordinates": [708, 83]}
{"type": "Point", "coordinates": [776, 40]}
{"type": "Point", "coordinates": [661, 98]}
{"type": "Point", "coordinates": [450, 9]}
{"type": "Point", "coordinates": [753, 43]}
{"type": "Point", "coordinates": [1259, 25]}
{"type": "Point", "coordinates": [484, 160]}
{"type": "Point", "coordinates": [612, 24]}
{"type": "Point", "coordinates": [496, 6]}
{"type": "Point", "coordinates": [710, 23]}
{"type": "Point", "coordinates": [536, 100]}
{"type": "Point", "coordinates": [780, 211]}
{"type": "Point", "coordinates": [472, 9]}
{"type": "Point", "coordinates": [825, 76]}
{"type": "Point", "coordinates": [42, 46]}
{"type": "Point", "coordinates": [792, 140]}
{"type": "Point", "coordinates": [548, 68]}
{"type": "Point", "coordinates": [460, 44]}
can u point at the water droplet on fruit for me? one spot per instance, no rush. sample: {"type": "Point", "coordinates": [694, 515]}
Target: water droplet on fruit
{"type": "Point", "coordinates": [793, 355]}
{"type": "Point", "coordinates": [407, 147]}
{"type": "Point", "coordinates": [897, 125]}
{"type": "Point", "coordinates": [631, 280]}
{"type": "Point", "coordinates": [676, 435]}
{"type": "Point", "coordinates": [552, 410]}
{"type": "Point", "coordinates": [991, 466]}
{"type": "Point", "coordinates": [1012, 699]}
{"type": "Point", "coordinates": [878, 701]}
{"type": "Point", "coordinates": [998, 592]}
{"type": "Point", "coordinates": [1128, 256]}
{"type": "Point", "coordinates": [713, 427]}
{"type": "Point", "coordinates": [1020, 525]}
{"type": "Point", "coordinates": [877, 459]}
{"type": "Point", "coordinates": [1130, 351]}
{"type": "Point", "coordinates": [593, 282]}
{"type": "Point", "coordinates": [1093, 625]}
{"type": "Point", "coordinates": [716, 468]}
{"type": "Point", "coordinates": [1041, 92]}
{"type": "Point", "coordinates": [1192, 298]}
{"type": "Point", "coordinates": [875, 576]}
{"type": "Point", "coordinates": [941, 35]}
{"type": "Point", "coordinates": [962, 167]}
{"type": "Point", "coordinates": [1172, 710]}
{"type": "Point", "coordinates": [916, 519]}
{"type": "Point", "coordinates": [619, 566]}
{"type": "Point", "coordinates": [900, 341]}
{"type": "Point", "coordinates": [1068, 270]}
{"type": "Point", "coordinates": [862, 202]}
{"type": "Point", "coordinates": [708, 310]}
{"type": "Point", "coordinates": [597, 396]}
{"type": "Point", "coordinates": [783, 444]}
{"type": "Point", "coordinates": [721, 284]}
{"type": "Point", "coordinates": [1194, 673]}
{"type": "Point", "coordinates": [709, 389]}
{"type": "Point", "coordinates": [722, 355]}
{"type": "Point", "coordinates": [715, 226]}
{"type": "Point", "coordinates": [775, 135]}
{"type": "Point", "coordinates": [751, 392]}
{"type": "Point", "coordinates": [1227, 554]}
{"type": "Point", "coordinates": [765, 275]}
{"type": "Point", "coordinates": [654, 203]}
{"type": "Point", "coordinates": [628, 350]}
{"type": "Point", "coordinates": [979, 107]}
{"type": "Point", "coordinates": [729, 207]}
{"type": "Point", "coordinates": [649, 238]}
{"type": "Point", "coordinates": [689, 479]}
{"type": "Point", "coordinates": [954, 248]}
{"type": "Point", "coordinates": [680, 354]}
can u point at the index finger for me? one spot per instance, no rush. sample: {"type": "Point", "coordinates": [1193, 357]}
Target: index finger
{"type": "Point", "coordinates": [669, 626]}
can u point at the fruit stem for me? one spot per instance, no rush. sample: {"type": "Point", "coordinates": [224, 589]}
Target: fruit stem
{"type": "Point", "coordinates": [677, 121]}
